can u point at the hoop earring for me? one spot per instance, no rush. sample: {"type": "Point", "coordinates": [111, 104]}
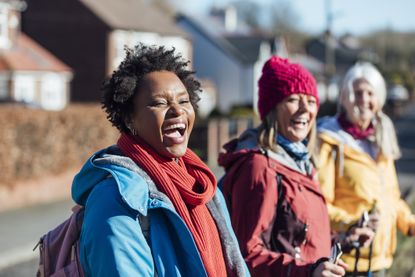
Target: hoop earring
{"type": "Point", "coordinates": [132, 130]}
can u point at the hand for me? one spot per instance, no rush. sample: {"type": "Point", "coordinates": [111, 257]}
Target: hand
{"type": "Point", "coordinates": [411, 231]}
{"type": "Point", "coordinates": [374, 218]}
{"type": "Point", "coordinates": [363, 236]}
{"type": "Point", "coordinates": [328, 269]}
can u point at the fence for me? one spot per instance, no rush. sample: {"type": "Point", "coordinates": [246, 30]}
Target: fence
{"type": "Point", "coordinates": [220, 131]}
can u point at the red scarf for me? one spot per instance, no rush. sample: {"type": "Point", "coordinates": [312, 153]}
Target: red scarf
{"type": "Point", "coordinates": [189, 184]}
{"type": "Point", "coordinates": [353, 129]}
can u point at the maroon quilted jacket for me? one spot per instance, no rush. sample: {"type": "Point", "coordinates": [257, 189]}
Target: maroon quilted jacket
{"type": "Point", "coordinates": [276, 239]}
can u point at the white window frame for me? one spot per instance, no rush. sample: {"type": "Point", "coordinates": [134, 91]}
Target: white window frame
{"type": "Point", "coordinates": [122, 38]}
{"type": "Point", "coordinates": [24, 88]}
{"type": "Point", "coordinates": [4, 86]}
{"type": "Point", "coordinates": [181, 46]}
{"type": "Point", "coordinates": [53, 91]}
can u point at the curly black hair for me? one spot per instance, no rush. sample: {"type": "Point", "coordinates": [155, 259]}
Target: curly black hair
{"type": "Point", "coordinates": [119, 89]}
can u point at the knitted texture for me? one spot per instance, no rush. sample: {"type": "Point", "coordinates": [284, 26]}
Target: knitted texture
{"type": "Point", "coordinates": [189, 184]}
{"type": "Point", "coordinates": [279, 79]}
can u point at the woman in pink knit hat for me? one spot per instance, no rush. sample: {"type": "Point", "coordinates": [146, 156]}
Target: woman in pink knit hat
{"type": "Point", "coordinates": [277, 209]}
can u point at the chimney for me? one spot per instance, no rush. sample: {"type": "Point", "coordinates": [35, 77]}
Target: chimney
{"type": "Point", "coordinates": [228, 16]}
{"type": "Point", "coordinates": [10, 22]}
{"type": "Point", "coordinates": [231, 18]}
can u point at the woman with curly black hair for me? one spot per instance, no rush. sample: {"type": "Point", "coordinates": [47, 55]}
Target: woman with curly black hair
{"type": "Point", "coordinates": [151, 205]}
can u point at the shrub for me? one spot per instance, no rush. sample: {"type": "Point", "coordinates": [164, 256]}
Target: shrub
{"type": "Point", "coordinates": [34, 143]}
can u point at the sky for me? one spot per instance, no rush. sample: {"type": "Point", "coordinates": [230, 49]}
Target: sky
{"type": "Point", "coordinates": [354, 16]}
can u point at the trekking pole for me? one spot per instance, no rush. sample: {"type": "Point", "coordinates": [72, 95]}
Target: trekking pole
{"type": "Point", "coordinates": [363, 221]}
{"type": "Point", "coordinates": [356, 261]}
{"type": "Point", "coordinates": [369, 272]}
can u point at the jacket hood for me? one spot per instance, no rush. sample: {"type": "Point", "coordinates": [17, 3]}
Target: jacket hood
{"type": "Point", "coordinates": [111, 163]}
{"type": "Point", "coordinates": [330, 130]}
{"type": "Point", "coordinates": [329, 125]}
{"type": "Point", "coordinates": [238, 148]}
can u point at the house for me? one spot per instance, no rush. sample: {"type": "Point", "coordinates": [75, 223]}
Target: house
{"type": "Point", "coordinates": [316, 68]}
{"type": "Point", "coordinates": [29, 74]}
{"type": "Point", "coordinates": [231, 59]}
{"type": "Point", "coordinates": [343, 52]}
{"type": "Point", "coordinates": [336, 55]}
{"type": "Point", "coordinates": [90, 35]}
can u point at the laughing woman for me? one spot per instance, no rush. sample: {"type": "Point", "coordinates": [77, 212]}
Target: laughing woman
{"type": "Point", "coordinates": [357, 172]}
{"type": "Point", "coordinates": [152, 207]}
{"type": "Point", "coordinates": [277, 209]}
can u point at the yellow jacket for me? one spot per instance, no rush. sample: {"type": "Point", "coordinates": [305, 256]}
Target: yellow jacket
{"type": "Point", "coordinates": [352, 182]}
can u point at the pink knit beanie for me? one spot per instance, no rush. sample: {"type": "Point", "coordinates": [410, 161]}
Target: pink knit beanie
{"type": "Point", "coordinates": [279, 79]}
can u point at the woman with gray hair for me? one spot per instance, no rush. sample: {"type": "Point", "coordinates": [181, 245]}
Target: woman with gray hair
{"type": "Point", "coordinates": [358, 147]}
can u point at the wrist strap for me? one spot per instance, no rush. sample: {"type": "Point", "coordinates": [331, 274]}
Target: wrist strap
{"type": "Point", "coordinates": [317, 263]}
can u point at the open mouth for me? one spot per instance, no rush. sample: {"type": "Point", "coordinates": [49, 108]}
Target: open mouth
{"type": "Point", "coordinates": [300, 122]}
{"type": "Point", "coordinates": [364, 109]}
{"type": "Point", "coordinates": [175, 130]}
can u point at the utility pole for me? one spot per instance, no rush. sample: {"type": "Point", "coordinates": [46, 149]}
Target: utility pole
{"type": "Point", "coordinates": [330, 63]}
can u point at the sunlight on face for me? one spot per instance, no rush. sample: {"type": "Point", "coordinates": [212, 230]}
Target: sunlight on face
{"type": "Point", "coordinates": [296, 115]}
{"type": "Point", "coordinates": [365, 104]}
{"type": "Point", "coordinates": [163, 115]}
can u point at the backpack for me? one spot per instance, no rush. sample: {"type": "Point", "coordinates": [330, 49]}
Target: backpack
{"type": "Point", "coordinates": [59, 248]}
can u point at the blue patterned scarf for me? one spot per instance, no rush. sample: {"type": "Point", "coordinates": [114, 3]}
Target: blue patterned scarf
{"type": "Point", "coordinates": [298, 151]}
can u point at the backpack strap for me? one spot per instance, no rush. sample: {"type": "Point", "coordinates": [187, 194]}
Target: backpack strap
{"type": "Point", "coordinates": [281, 240]}
{"type": "Point", "coordinates": [279, 188]}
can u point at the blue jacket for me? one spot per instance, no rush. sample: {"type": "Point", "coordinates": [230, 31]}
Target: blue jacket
{"type": "Point", "coordinates": [117, 194]}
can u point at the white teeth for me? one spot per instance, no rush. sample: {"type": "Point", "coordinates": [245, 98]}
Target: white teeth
{"type": "Point", "coordinates": [301, 121]}
{"type": "Point", "coordinates": [175, 126]}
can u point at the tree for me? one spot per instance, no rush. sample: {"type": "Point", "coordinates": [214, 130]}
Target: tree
{"type": "Point", "coordinates": [397, 55]}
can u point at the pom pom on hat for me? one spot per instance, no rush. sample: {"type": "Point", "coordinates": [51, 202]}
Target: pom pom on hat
{"type": "Point", "coordinates": [279, 79]}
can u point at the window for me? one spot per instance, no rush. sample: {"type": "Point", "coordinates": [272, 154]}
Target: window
{"type": "Point", "coordinates": [53, 92]}
{"type": "Point", "coordinates": [4, 87]}
{"type": "Point", "coordinates": [130, 39]}
{"type": "Point", "coordinates": [181, 45]}
{"type": "Point", "coordinates": [145, 38]}
{"type": "Point", "coordinates": [24, 88]}
{"type": "Point", "coordinates": [120, 40]}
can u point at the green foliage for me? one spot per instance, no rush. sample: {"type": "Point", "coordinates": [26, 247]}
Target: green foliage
{"type": "Point", "coordinates": [241, 111]}
{"type": "Point", "coordinates": [215, 113]}
{"type": "Point", "coordinates": [396, 51]}
{"type": "Point", "coordinates": [278, 18]}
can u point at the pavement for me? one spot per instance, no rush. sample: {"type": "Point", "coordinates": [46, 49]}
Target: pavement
{"type": "Point", "coordinates": [21, 229]}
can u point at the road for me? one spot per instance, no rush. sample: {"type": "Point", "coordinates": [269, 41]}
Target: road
{"type": "Point", "coordinates": [405, 128]}
{"type": "Point", "coordinates": [21, 229]}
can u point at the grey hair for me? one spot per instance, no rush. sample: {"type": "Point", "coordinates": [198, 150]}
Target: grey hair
{"type": "Point", "coordinates": [367, 72]}
{"type": "Point", "coordinates": [385, 135]}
